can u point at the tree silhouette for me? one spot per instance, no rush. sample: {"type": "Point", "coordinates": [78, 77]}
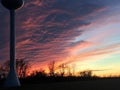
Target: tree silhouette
{"type": "Point", "coordinates": [38, 74]}
{"type": "Point", "coordinates": [2, 73]}
{"type": "Point", "coordinates": [69, 71]}
{"type": "Point", "coordinates": [51, 67]}
{"type": "Point", "coordinates": [22, 67]}
{"type": "Point", "coordinates": [87, 73]}
{"type": "Point", "coordinates": [62, 69]}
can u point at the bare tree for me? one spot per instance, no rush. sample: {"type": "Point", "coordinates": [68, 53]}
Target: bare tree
{"type": "Point", "coordinates": [51, 67]}
{"type": "Point", "coordinates": [87, 73]}
{"type": "Point", "coordinates": [22, 67]}
{"type": "Point", "coordinates": [73, 69]}
{"type": "Point", "coordinates": [69, 71]}
{"type": "Point", "coordinates": [2, 73]}
{"type": "Point", "coordinates": [39, 73]}
{"type": "Point", "coordinates": [62, 69]}
{"type": "Point", "coordinates": [4, 69]}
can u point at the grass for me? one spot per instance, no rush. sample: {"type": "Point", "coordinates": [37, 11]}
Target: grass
{"type": "Point", "coordinates": [100, 84]}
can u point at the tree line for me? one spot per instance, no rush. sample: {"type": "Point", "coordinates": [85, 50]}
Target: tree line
{"type": "Point", "coordinates": [23, 67]}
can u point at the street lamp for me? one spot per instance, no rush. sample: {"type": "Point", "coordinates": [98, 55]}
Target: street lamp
{"type": "Point", "coordinates": [12, 79]}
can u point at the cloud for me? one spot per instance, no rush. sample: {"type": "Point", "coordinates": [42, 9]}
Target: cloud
{"type": "Point", "coordinates": [46, 29]}
{"type": "Point", "coordinates": [48, 32]}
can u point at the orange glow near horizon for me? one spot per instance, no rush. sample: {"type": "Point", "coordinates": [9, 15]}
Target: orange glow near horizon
{"type": "Point", "coordinates": [79, 67]}
{"type": "Point", "coordinates": [82, 34]}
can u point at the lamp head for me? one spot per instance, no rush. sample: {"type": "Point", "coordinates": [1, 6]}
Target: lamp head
{"type": "Point", "coordinates": [12, 4]}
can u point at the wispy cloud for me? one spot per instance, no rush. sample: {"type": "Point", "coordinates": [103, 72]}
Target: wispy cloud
{"type": "Point", "coordinates": [60, 30]}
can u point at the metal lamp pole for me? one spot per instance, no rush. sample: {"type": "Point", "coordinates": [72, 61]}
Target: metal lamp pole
{"type": "Point", "coordinates": [12, 79]}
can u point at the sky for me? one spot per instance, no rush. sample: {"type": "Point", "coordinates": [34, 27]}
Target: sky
{"type": "Point", "coordinates": [83, 33]}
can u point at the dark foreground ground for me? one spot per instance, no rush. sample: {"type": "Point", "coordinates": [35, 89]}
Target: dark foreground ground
{"type": "Point", "coordinates": [102, 84]}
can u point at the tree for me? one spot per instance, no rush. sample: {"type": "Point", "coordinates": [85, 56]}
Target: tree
{"type": "Point", "coordinates": [38, 74]}
{"type": "Point", "coordinates": [51, 67]}
{"type": "Point", "coordinates": [87, 73]}
{"type": "Point", "coordinates": [62, 69]}
{"type": "Point", "coordinates": [22, 67]}
{"type": "Point", "coordinates": [73, 69]}
{"type": "Point", "coordinates": [2, 73]}
{"type": "Point", "coordinates": [69, 71]}
{"type": "Point", "coordinates": [5, 68]}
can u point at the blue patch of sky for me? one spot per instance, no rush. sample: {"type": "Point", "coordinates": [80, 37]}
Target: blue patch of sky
{"type": "Point", "coordinates": [112, 59]}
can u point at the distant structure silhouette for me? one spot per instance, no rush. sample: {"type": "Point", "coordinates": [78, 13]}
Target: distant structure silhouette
{"type": "Point", "coordinates": [12, 79]}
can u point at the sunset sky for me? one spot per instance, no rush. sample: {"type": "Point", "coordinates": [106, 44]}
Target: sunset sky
{"type": "Point", "coordinates": [84, 33]}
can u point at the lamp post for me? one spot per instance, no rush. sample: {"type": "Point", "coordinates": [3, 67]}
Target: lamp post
{"type": "Point", "coordinates": [12, 79]}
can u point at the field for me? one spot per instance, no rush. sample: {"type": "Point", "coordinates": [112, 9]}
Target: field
{"type": "Point", "coordinates": [102, 84]}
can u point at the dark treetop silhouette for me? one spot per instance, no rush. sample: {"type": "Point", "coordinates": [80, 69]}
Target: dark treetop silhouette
{"type": "Point", "coordinates": [12, 79]}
